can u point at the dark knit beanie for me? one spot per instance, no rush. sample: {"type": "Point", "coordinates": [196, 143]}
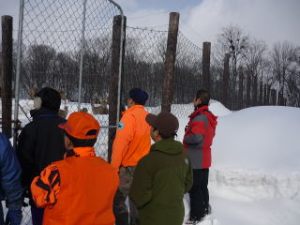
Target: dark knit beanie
{"type": "Point", "coordinates": [138, 96]}
{"type": "Point", "coordinates": [51, 98]}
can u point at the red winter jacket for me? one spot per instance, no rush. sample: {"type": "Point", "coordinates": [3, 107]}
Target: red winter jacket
{"type": "Point", "coordinates": [199, 134]}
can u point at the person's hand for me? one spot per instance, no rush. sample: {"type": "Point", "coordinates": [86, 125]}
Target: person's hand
{"type": "Point", "coordinates": [13, 217]}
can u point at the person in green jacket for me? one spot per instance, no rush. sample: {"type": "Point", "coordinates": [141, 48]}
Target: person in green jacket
{"type": "Point", "coordinates": [163, 176]}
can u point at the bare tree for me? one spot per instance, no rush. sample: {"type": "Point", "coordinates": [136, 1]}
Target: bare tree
{"type": "Point", "coordinates": [234, 42]}
{"type": "Point", "coordinates": [37, 66]}
{"type": "Point", "coordinates": [254, 63]}
{"type": "Point", "coordinates": [281, 56]}
{"type": "Point", "coordinates": [293, 81]}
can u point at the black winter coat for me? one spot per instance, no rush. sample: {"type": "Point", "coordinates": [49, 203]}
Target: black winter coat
{"type": "Point", "coordinates": [40, 143]}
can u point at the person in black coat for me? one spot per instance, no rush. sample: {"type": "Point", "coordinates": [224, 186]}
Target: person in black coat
{"type": "Point", "coordinates": [41, 142]}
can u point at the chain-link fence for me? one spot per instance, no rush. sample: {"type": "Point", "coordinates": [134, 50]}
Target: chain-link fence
{"type": "Point", "coordinates": [144, 62]}
{"type": "Point", "coordinates": [188, 73]}
{"type": "Point", "coordinates": [66, 45]}
{"type": "Point", "coordinates": [144, 66]}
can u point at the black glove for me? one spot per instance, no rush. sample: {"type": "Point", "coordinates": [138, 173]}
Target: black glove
{"type": "Point", "coordinates": [13, 217]}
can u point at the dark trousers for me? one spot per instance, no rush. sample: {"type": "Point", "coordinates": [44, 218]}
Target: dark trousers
{"type": "Point", "coordinates": [37, 215]}
{"type": "Point", "coordinates": [120, 208]}
{"type": "Point", "coordinates": [1, 214]}
{"type": "Point", "coordinates": [199, 197]}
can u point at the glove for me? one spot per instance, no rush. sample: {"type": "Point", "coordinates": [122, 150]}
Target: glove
{"type": "Point", "coordinates": [13, 217]}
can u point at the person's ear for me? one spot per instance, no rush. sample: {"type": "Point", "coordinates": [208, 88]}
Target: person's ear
{"type": "Point", "coordinates": [68, 143]}
{"type": "Point", "coordinates": [156, 136]}
{"type": "Point", "coordinates": [37, 102]}
{"type": "Point", "coordinates": [130, 102]}
{"type": "Point", "coordinates": [197, 101]}
{"type": "Point", "coordinates": [156, 133]}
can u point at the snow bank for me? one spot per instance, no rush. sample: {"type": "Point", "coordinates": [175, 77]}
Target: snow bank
{"type": "Point", "coordinates": [265, 138]}
{"type": "Point", "coordinates": [247, 185]}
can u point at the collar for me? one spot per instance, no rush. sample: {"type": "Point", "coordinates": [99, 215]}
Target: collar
{"type": "Point", "coordinates": [84, 151]}
{"type": "Point", "coordinates": [42, 112]}
{"type": "Point", "coordinates": [199, 110]}
{"type": "Point", "coordinates": [134, 107]}
{"type": "Point", "coordinates": [168, 146]}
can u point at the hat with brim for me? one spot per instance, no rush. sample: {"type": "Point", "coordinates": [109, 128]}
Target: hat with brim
{"type": "Point", "coordinates": [166, 123]}
{"type": "Point", "coordinates": [81, 125]}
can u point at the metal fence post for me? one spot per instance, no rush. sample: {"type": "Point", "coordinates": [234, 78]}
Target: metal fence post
{"type": "Point", "coordinates": [82, 51]}
{"type": "Point", "coordinates": [167, 91]}
{"type": "Point", "coordinates": [118, 43]}
{"type": "Point", "coordinates": [7, 66]}
{"type": "Point", "coordinates": [18, 71]}
{"type": "Point", "coordinates": [206, 65]}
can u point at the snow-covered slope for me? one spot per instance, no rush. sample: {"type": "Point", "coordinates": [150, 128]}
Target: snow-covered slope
{"type": "Point", "coordinates": [255, 177]}
{"type": "Point", "coordinates": [259, 138]}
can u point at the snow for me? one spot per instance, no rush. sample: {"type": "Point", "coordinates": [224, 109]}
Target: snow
{"type": "Point", "coordinates": [255, 176]}
{"type": "Point", "coordinates": [259, 138]}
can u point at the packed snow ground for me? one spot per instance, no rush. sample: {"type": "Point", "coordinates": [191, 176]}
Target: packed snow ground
{"type": "Point", "coordinates": [255, 176]}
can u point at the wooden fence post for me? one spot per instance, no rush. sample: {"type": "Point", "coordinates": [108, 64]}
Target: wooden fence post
{"type": "Point", "coordinates": [248, 91]}
{"type": "Point", "coordinates": [206, 65]}
{"type": "Point", "coordinates": [273, 97]}
{"type": "Point", "coordinates": [169, 65]}
{"type": "Point", "coordinates": [254, 91]}
{"type": "Point", "coordinates": [241, 89]}
{"type": "Point", "coordinates": [7, 73]}
{"type": "Point", "coordinates": [266, 97]}
{"type": "Point", "coordinates": [261, 92]}
{"type": "Point", "coordinates": [226, 79]}
{"type": "Point", "coordinates": [114, 79]}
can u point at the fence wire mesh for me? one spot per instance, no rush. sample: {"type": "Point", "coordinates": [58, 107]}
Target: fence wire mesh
{"type": "Point", "coordinates": [144, 67]}
{"type": "Point", "coordinates": [61, 40]}
{"type": "Point", "coordinates": [188, 73]}
{"type": "Point", "coordinates": [144, 62]}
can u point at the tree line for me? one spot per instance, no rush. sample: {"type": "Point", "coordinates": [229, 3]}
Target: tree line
{"type": "Point", "coordinates": [257, 74]}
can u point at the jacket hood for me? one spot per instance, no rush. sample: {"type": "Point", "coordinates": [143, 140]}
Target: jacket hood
{"type": "Point", "coordinates": [210, 116]}
{"type": "Point", "coordinates": [168, 146]}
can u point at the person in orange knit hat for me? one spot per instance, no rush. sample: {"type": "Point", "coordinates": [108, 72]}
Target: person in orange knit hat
{"type": "Point", "coordinates": [132, 142]}
{"type": "Point", "coordinates": [80, 189]}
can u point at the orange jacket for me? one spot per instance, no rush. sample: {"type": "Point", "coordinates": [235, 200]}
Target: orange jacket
{"type": "Point", "coordinates": [132, 140]}
{"type": "Point", "coordinates": [77, 191]}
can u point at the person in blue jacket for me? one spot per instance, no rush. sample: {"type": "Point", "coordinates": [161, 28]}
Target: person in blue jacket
{"type": "Point", "coordinates": [10, 183]}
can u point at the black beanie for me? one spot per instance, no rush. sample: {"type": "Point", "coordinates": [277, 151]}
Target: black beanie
{"type": "Point", "coordinates": [50, 98]}
{"type": "Point", "coordinates": [138, 96]}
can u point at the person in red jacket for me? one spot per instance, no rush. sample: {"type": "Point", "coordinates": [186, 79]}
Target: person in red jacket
{"type": "Point", "coordinates": [80, 189]}
{"type": "Point", "coordinates": [198, 138]}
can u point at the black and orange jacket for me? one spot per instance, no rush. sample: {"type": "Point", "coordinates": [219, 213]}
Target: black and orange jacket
{"type": "Point", "coordinates": [77, 190]}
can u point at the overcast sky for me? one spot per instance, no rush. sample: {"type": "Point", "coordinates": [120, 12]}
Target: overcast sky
{"type": "Point", "coordinates": [202, 20]}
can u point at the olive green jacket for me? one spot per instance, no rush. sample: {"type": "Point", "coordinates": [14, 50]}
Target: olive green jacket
{"type": "Point", "coordinates": [160, 180]}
